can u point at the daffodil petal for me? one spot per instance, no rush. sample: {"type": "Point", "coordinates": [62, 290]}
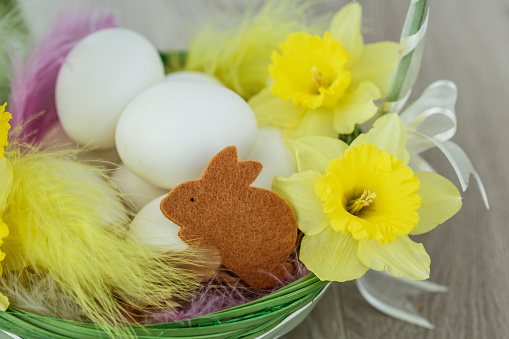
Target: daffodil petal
{"type": "Point", "coordinates": [356, 107]}
{"type": "Point", "coordinates": [4, 302]}
{"type": "Point", "coordinates": [346, 28]}
{"type": "Point", "coordinates": [314, 153]}
{"type": "Point", "coordinates": [270, 110]}
{"type": "Point", "coordinates": [376, 64]}
{"type": "Point", "coordinates": [314, 122]}
{"type": "Point", "coordinates": [4, 230]}
{"type": "Point", "coordinates": [14, 250]}
{"type": "Point", "coordinates": [389, 134]}
{"type": "Point", "coordinates": [401, 258]}
{"type": "Point", "coordinates": [6, 182]}
{"type": "Point", "coordinates": [298, 191]}
{"type": "Point", "coordinates": [332, 256]}
{"type": "Point", "coordinates": [440, 201]}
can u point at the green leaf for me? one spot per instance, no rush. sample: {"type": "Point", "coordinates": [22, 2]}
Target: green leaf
{"type": "Point", "coordinates": [348, 138]}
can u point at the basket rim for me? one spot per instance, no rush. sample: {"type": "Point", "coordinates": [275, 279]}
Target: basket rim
{"type": "Point", "coordinates": [256, 316]}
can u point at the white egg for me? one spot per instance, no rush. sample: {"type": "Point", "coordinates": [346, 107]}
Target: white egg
{"type": "Point", "coordinates": [138, 191]}
{"type": "Point", "coordinates": [276, 158]}
{"type": "Point", "coordinates": [151, 227]}
{"type": "Point", "coordinates": [169, 133]}
{"type": "Point", "coordinates": [99, 77]}
{"type": "Point", "coordinates": [57, 138]}
{"type": "Point", "coordinates": [192, 76]}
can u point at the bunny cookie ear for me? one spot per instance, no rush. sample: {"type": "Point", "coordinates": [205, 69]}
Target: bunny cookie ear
{"type": "Point", "coordinates": [225, 167]}
{"type": "Point", "coordinates": [249, 171]}
{"type": "Point", "coordinates": [222, 166]}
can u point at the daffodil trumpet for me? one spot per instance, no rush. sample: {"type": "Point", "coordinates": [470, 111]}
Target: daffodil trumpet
{"type": "Point", "coordinates": [357, 205]}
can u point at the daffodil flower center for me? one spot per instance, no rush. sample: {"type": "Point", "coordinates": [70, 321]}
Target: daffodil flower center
{"type": "Point", "coordinates": [355, 206]}
{"type": "Point", "coordinates": [318, 78]}
{"type": "Point", "coordinates": [323, 57]}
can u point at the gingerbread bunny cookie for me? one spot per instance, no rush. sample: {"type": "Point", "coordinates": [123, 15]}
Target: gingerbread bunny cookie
{"type": "Point", "coordinates": [253, 228]}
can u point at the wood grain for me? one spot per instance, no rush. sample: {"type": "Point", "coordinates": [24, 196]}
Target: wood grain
{"type": "Point", "coordinates": [468, 43]}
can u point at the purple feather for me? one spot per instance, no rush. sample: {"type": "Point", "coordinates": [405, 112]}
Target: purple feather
{"type": "Point", "coordinates": [33, 83]}
{"type": "Point", "coordinates": [216, 296]}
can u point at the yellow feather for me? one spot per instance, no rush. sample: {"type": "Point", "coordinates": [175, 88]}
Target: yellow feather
{"type": "Point", "coordinates": [67, 220]}
{"type": "Point", "coordinates": [40, 294]}
{"type": "Point", "coordinates": [239, 55]}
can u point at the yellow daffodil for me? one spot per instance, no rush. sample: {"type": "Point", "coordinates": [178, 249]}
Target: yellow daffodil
{"type": "Point", "coordinates": [311, 81]}
{"type": "Point", "coordinates": [238, 56]}
{"type": "Point", "coordinates": [326, 85]}
{"type": "Point", "coordinates": [6, 177]}
{"type": "Point", "coordinates": [358, 204]}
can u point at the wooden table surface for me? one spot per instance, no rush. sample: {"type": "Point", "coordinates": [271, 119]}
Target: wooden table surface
{"type": "Point", "coordinates": [468, 43]}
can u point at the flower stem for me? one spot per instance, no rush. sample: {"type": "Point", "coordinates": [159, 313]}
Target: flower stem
{"type": "Point", "coordinates": [174, 60]}
{"type": "Point", "coordinates": [348, 138]}
{"type": "Point", "coordinates": [401, 72]}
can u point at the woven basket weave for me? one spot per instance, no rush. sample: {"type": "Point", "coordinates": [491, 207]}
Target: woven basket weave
{"type": "Point", "coordinates": [251, 320]}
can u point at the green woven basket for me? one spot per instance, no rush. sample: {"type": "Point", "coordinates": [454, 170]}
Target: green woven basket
{"type": "Point", "coordinates": [250, 320]}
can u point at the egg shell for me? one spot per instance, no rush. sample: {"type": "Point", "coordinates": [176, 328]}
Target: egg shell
{"type": "Point", "coordinates": [138, 191]}
{"type": "Point", "coordinates": [151, 227]}
{"type": "Point", "coordinates": [99, 77]}
{"type": "Point", "coordinates": [57, 138]}
{"type": "Point", "coordinates": [192, 76]}
{"type": "Point", "coordinates": [168, 133]}
{"type": "Point", "coordinates": [276, 158]}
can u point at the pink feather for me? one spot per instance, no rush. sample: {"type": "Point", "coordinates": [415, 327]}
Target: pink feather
{"type": "Point", "coordinates": [33, 83]}
{"type": "Point", "coordinates": [216, 296]}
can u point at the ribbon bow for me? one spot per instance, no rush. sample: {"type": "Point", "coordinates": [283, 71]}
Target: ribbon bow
{"type": "Point", "coordinates": [431, 122]}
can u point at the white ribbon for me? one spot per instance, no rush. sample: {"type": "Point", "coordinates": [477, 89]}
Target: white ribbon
{"type": "Point", "coordinates": [389, 295]}
{"type": "Point", "coordinates": [409, 43]}
{"type": "Point", "coordinates": [431, 122]}
{"type": "Point", "coordinates": [396, 106]}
